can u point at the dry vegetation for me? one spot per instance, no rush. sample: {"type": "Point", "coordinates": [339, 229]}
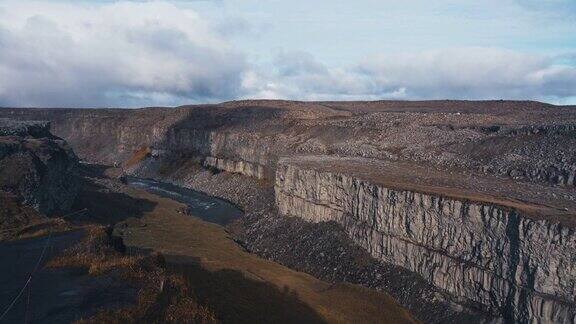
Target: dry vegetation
{"type": "Point", "coordinates": [18, 221]}
{"type": "Point", "coordinates": [138, 156]}
{"type": "Point", "coordinates": [241, 287]}
{"type": "Point", "coordinates": [43, 228]}
{"type": "Point", "coordinates": [162, 297]}
{"type": "Point", "coordinates": [14, 216]}
{"type": "Point", "coordinates": [211, 280]}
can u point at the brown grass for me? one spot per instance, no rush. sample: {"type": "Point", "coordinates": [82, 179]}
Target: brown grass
{"type": "Point", "coordinates": [163, 298]}
{"type": "Point", "coordinates": [15, 216]}
{"type": "Point", "coordinates": [221, 280]}
{"type": "Point", "coordinates": [19, 221]}
{"type": "Point", "coordinates": [43, 228]}
{"type": "Point", "coordinates": [173, 304]}
{"type": "Point", "coordinates": [95, 253]}
{"type": "Point", "coordinates": [138, 156]}
{"type": "Point", "coordinates": [239, 285]}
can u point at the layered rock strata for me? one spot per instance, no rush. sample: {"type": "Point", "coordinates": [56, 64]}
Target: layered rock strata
{"type": "Point", "coordinates": [245, 168]}
{"type": "Point", "coordinates": [484, 254]}
{"type": "Point", "coordinates": [527, 141]}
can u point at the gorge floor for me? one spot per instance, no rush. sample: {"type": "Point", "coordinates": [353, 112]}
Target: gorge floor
{"type": "Point", "coordinates": [206, 252]}
{"type": "Point", "coordinates": [237, 286]}
{"type": "Point", "coordinates": [320, 249]}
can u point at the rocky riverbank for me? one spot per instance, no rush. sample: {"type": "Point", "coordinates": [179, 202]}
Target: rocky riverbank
{"type": "Point", "coordinates": [239, 284]}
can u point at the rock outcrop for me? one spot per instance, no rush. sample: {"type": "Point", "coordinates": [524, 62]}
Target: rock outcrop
{"type": "Point", "coordinates": [36, 129]}
{"type": "Point", "coordinates": [244, 168]}
{"type": "Point", "coordinates": [486, 255]}
{"type": "Point", "coordinates": [36, 167]}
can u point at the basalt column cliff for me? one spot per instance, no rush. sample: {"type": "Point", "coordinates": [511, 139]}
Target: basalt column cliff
{"type": "Point", "coordinates": [475, 199]}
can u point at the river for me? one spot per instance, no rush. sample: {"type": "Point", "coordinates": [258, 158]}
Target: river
{"type": "Point", "coordinates": [201, 205]}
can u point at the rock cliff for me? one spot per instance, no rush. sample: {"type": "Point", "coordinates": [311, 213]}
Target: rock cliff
{"type": "Point", "coordinates": [526, 141]}
{"type": "Point", "coordinates": [245, 168]}
{"type": "Point", "coordinates": [491, 256]}
{"type": "Point", "coordinates": [36, 167]}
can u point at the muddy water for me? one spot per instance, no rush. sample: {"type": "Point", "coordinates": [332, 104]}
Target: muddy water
{"type": "Point", "coordinates": [205, 207]}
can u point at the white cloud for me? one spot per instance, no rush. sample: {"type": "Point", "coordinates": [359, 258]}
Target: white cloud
{"type": "Point", "coordinates": [474, 73]}
{"type": "Point", "coordinates": [458, 73]}
{"type": "Point", "coordinates": [114, 54]}
{"type": "Point", "coordinates": [158, 53]}
{"type": "Point", "coordinates": [299, 76]}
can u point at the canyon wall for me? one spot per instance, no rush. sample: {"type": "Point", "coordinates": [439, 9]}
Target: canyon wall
{"type": "Point", "coordinates": [522, 269]}
{"type": "Point", "coordinates": [245, 168]}
{"type": "Point", "coordinates": [112, 136]}
{"type": "Point", "coordinates": [525, 141]}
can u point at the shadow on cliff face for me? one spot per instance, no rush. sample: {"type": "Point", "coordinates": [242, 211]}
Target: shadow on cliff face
{"type": "Point", "coordinates": [200, 122]}
{"type": "Point", "coordinates": [234, 298]}
{"type": "Point", "coordinates": [223, 132]}
{"type": "Point", "coordinates": [106, 207]}
{"type": "Point", "coordinates": [94, 170]}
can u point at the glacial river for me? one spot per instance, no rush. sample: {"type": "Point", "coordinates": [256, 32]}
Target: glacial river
{"type": "Point", "coordinates": [201, 205]}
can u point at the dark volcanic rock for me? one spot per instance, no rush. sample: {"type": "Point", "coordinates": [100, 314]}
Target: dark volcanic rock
{"type": "Point", "coordinates": [37, 129]}
{"type": "Point", "coordinates": [37, 167]}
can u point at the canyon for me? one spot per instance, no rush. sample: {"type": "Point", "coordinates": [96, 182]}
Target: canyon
{"type": "Point", "coordinates": [461, 210]}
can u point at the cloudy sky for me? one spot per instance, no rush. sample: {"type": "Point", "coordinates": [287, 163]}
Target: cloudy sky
{"type": "Point", "coordinates": [62, 53]}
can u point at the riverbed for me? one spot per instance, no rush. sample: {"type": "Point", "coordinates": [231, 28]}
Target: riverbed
{"type": "Point", "coordinates": [201, 205]}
